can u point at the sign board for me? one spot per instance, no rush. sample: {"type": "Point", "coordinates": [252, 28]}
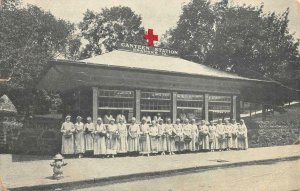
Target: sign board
{"type": "Point", "coordinates": [147, 49]}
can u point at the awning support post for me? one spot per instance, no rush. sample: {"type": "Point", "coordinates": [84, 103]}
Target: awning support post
{"type": "Point", "coordinates": [233, 104]}
{"type": "Point", "coordinates": [174, 106]}
{"type": "Point", "coordinates": [95, 104]}
{"type": "Point", "coordinates": [206, 107]}
{"type": "Point", "coordinates": [138, 105]}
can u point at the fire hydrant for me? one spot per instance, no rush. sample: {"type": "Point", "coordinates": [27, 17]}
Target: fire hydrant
{"type": "Point", "coordinates": [57, 165]}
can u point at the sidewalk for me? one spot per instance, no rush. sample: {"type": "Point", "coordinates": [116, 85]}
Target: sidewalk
{"type": "Point", "coordinates": [35, 174]}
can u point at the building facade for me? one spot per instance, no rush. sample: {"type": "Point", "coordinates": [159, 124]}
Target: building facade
{"type": "Point", "coordinates": [146, 85]}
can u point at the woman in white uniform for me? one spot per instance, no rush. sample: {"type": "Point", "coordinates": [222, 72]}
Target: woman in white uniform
{"type": "Point", "coordinates": [228, 133]}
{"type": "Point", "coordinates": [133, 136]}
{"type": "Point", "coordinates": [203, 136]}
{"type": "Point", "coordinates": [122, 144]}
{"type": "Point", "coordinates": [221, 135]}
{"type": "Point", "coordinates": [88, 135]}
{"type": "Point", "coordinates": [234, 132]}
{"type": "Point", "coordinates": [100, 138]}
{"type": "Point", "coordinates": [243, 137]}
{"type": "Point", "coordinates": [67, 129]}
{"type": "Point", "coordinates": [144, 138]}
{"type": "Point", "coordinates": [187, 133]}
{"type": "Point", "coordinates": [111, 143]}
{"type": "Point", "coordinates": [194, 133]}
{"type": "Point", "coordinates": [162, 136]}
{"type": "Point", "coordinates": [213, 137]}
{"type": "Point", "coordinates": [169, 137]}
{"type": "Point", "coordinates": [179, 139]}
{"type": "Point", "coordinates": [153, 133]}
{"type": "Point", "coordinates": [79, 137]}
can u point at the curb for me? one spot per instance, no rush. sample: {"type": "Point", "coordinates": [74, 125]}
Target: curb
{"type": "Point", "coordinates": [147, 175]}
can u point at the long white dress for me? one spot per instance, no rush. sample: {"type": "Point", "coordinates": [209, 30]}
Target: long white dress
{"type": "Point", "coordinates": [169, 138]}
{"type": "Point", "coordinates": [89, 136]}
{"type": "Point", "coordinates": [162, 145]}
{"type": "Point", "coordinates": [67, 146]}
{"type": "Point", "coordinates": [100, 140]}
{"type": "Point", "coordinates": [154, 143]}
{"type": "Point", "coordinates": [133, 137]}
{"type": "Point", "coordinates": [203, 137]}
{"type": "Point", "coordinates": [228, 133]}
{"type": "Point", "coordinates": [243, 137]}
{"type": "Point", "coordinates": [194, 133]}
{"type": "Point", "coordinates": [79, 138]}
{"type": "Point", "coordinates": [187, 132]}
{"type": "Point", "coordinates": [111, 143]}
{"type": "Point", "coordinates": [234, 131]}
{"type": "Point", "coordinates": [122, 144]}
{"type": "Point", "coordinates": [221, 136]}
{"type": "Point", "coordinates": [145, 139]}
{"type": "Point", "coordinates": [179, 139]}
{"type": "Point", "coordinates": [213, 138]}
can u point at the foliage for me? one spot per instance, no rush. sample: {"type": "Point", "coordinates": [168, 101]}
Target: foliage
{"type": "Point", "coordinates": [239, 39]}
{"type": "Point", "coordinates": [104, 29]}
{"type": "Point", "coordinates": [29, 38]}
{"type": "Point", "coordinates": [193, 34]}
{"type": "Point", "coordinates": [10, 125]}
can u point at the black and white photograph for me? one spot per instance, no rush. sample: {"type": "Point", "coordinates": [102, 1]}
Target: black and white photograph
{"type": "Point", "coordinates": [151, 95]}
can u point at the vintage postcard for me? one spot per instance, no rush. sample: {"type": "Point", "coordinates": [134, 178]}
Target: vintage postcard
{"type": "Point", "coordinates": [150, 95]}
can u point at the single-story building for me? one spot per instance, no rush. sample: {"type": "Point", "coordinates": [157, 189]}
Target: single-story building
{"type": "Point", "coordinates": [141, 83]}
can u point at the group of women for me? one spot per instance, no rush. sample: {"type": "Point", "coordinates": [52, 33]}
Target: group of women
{"type": "Point", "coordinates": [156, 138]}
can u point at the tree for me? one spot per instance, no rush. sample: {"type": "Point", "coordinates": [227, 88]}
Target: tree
{"type": "Point", "coordinates": [239, 39]}
{"type": "Point", "coordinates": [29, 38]}
{"type": "Point", "coordinates": [252, 44]}
{"type": "Point", "coordinates": [194, 31]}
{"type": "Point", "coordinates": [104, 29]}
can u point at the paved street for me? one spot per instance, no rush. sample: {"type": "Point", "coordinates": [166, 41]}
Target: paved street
{"type": "Point", "coordinates": [281, 176]}
{"type": "Point", "coordinates": [18, 172]}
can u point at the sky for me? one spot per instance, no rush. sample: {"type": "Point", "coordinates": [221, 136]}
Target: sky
{"type": "Point", "coordinates": [159, 15]}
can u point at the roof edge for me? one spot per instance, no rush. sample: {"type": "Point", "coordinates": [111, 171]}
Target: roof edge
{"type": "Point", "coordinates": [90, 64]}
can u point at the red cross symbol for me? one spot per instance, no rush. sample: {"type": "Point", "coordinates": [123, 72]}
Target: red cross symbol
{"type": "Point", "coordinates": [151, 37]}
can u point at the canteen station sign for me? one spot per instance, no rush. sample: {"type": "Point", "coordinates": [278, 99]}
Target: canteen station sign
{"type": "Point", "coordinates": [147, 49]}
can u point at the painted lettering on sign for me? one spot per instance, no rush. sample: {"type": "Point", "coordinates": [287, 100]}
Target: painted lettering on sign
{"type": "Point", "coordinates": [147, 49]}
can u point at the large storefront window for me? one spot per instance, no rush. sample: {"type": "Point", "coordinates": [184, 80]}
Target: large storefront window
{"type": "Point", "coordinates": [155, 104]}
{"type": "Point", "coordinates": [116, 102]}
{"type": "Point", "coordinates": [189, 106]}
{"type": "Point", "coordinates": [219, 107]}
